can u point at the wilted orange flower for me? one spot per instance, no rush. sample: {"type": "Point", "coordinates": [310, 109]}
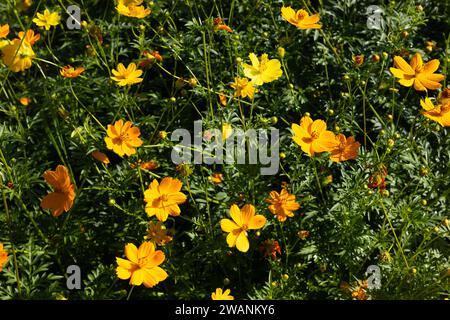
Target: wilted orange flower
{"type": "Point", "coordinates": [127, 76]}
{"type": "Point", "coordinates": [219, 295]}
{"type": "Point", "coordinates": [416, 73]}
{"type": "Point", "coordinates": [262, 69]}
{"type": "Point", "coordinates": [313, 136]}
{"type": "Point", "coordinates": [346, 149]}
{"type": "Point", "coordinates": [157, 233]}
{"type": "Point", "coordinates": [142, 266]}
{"type": "Point", "coordinates": [358, 59]}
{"type": "Point", "coordinates": [150, 57]}
{"type": "Point", "coordinates": [3, 257]}
{"type": "Point", "coordinates": [100, 156]}
{"type": "Point", "coordinates": [301, 19]}
{"type": "Point", "coordinates": [30, 37]}
{"type": "Point", "coordinates": [243, 219]}
{"type": "Point", "coordinates": [4, 30]}
{"type": "Point", "coordinates": [282, 204]}
{"type": "Point", "coordinates": [439, 113]}
{"type": "Point", "coordinates": [132, 8]}
{"type": "Point", "coordinates": [270, 248]}
{"type": "Point", "coordinates": [61, 199]}
{"type": "Point", "coordinates": [216, 178]}
{"type": "Point", "coordinates": [25, 101]}
{"type": "Point", "coordinates": [18, 55]}
{"type": "Point", "coordinates": [219, 25]}
{"type": "Point", "coordinates": [122, 138]}
{"type": "Point", "coordinates": [243, 88]}
{"type": "Point", "coordinates": [149, 165]}
{"type": "Point", "coordinates": [378, 178]}
{"type": "Point", "coordinates": [359, 292]}
{"type": "Point", "coordinates": [163, 199]}
{"type": "Point", "coordinates": [70, 72]}
{"type": "Point", "coordinates": [303, 234]}
{"type": "Point", "coordinates": [223, 100]}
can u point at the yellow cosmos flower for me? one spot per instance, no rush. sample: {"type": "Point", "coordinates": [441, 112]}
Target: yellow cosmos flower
{"type": "Point", "coordinates": [122, 138]}
{"type": "Point", "coordinates": [313, 136]}
{"type": "Point", "coordinates": [158, 234]}
{"type": "Point", "coordinates": [61, 199]}
{"type": "Point", "coordinates": [439, 113]}
{"type": "Point", "coordinates": [127, 76]}
{"type": "Point", "coordinates": [243, 88]}
{"type": "Point", "coordinates": [216, 178]}
{"type": "Point", "coordinates": [282, 204]}
{"type": "Point", "coordinates": [4, 30]}
{"type": "Point", "coordinates": [47, 19]}
{"type": "Point", "coordinates": [163, 199]}
{"type": "Point", "coordinates": [243, 219]}
{"type": "Point", "coordinates": [416, 73]}
{"type": "Point", "coordinates": [71, 72]}
{"type": "Point", "coordinates": [219, 295]}
{"type": "Point", "coordinates": [142, 266]}
{"type": "Point", "coordinates": [3, 257]}
{"type": "Point", "coordinates": [18, 55]}
{"type": "Point", "coordinates": [132, 8]}
{"type": "Point", "coordinates": [346, 149]}
{"type": "Point", "coordinates": [25, 101]}
{"type": "Point", "coordinates": [301, 19]}
{"type": "Point", "coordinates": [100, 156]}
{"type": "Point", "coordinates": [262, 70]}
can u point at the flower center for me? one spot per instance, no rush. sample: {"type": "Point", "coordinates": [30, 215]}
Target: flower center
{"type": "Point", "coordinates": [164, 198]}
{"type": "Point", "coordinates": [314, 134]}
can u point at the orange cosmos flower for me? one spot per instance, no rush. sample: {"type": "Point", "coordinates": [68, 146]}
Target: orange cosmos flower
{"type": "Point", "coordinates": [149, 165]}
{"type": "Point", "coordinates": [221, 295]}
{"type": "Point", "coordinates": [122, 138]}
{"type": "Point", "coordinates": [100, 156]}
{"type": "Point", "coordinates": [61, 199]}
{"type": "Point", "coordinates": [223, 100]}
{"type": "Point", "coordinates": [346, 149]}
{"type": "Point", "coordinates": [313, 136]}
{"type": "Point", "coordinates": [30, 37]}
{"type": "Point", "coordinates": [282, 204]}
{"type": "Point", "coordinates": [70, 72]}
{"type": "Point", "coordinates": [416, 73]}
{"type": "Point", "coordinates": [142, 266]}
{"type": "Point", "coordinates": [4, 30]}
{"type": "Point", "coordinates": [25, 101]}
{"type": "Point", "coordinates": [439, 113]}
{"type": "Point", "coordinates": [243, 88]}
{"type": "Point", "coordinates": [132, 8]}
{"type": "Point", "coordinates": [127, 76]}
{"type": "Point", "coordinates": [157, 233]}
{"type": "Point", "coordinates": [219, 25]}
{"type": "Point", "coordinates": [163, 199]}
{"type": "Point", "coordinates": [270, 248]}
{"type": "Point", "coordinates": [243, 219]}
{"type": "Point", "coordinates": [18, 55]}
{"type": "Point", "coordinates": [301, 19]}
{"type": "Point", "coordinates": [3, 257]}
{"type": "Point", "coordinates": [216, 178]}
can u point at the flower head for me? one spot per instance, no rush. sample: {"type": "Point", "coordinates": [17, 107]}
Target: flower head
{"type": "Point", "coordinates": [100, 156]}
{"type": "Point", "coordinates": [157, 233]}
{"type": "Point", "coordinates": [25, 101]}
{"type": "Point", "coordinates": [127, 76]}
{"type": "Point", "coordinates": [18, 55]}
{"type": "Point", "coordinates": [216, 178]}
{"type": "Point", "coordinates": [301, 19]}
{"type": "Point", "coordinates": [243, 219]}
{"type": "Point", "coordinates": [219, 295]}
{"type": "Point", "coordinates": [439, 113]}
{"type": "Point", "coordinates": [163, 198]}
{"type": "Point", "coordinates": [132, 8]}
{"type": "Point", "coordinates": [270, 248]}
{"type": "Point", "coordinates": [61, 199]}
{"type": "Point", "coordinates": [219, 25]}
{"type": "Point", "coordinates": [4, 30]}
{"type": "Point", "coordinates": [346, 149]}
{"type": "Point", "coordinates": [262, 69]}
{"type": "Point", "coordinates": [149, 165]}
{"type": "Point", "coordinates": [243, 88]}
{"type": "Point", "coordinates": [71, 72]}
{"type": "Point", "coordinates": [30, 37]}
{"type": "Point", "coordinates": [3, 257]}
{"type": "Point", "coordinates": [282, 204]}
{"type": "Point", "coordinates": [122, 138]}
{"type": "Point", "coordinates": [47, 19]}
{"type": "Point", "coordinates": [142, 266]}
{"type": "Point", "coordinates": [313, 136]}
{"type": "Point", "coordinates": [416, 73]}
